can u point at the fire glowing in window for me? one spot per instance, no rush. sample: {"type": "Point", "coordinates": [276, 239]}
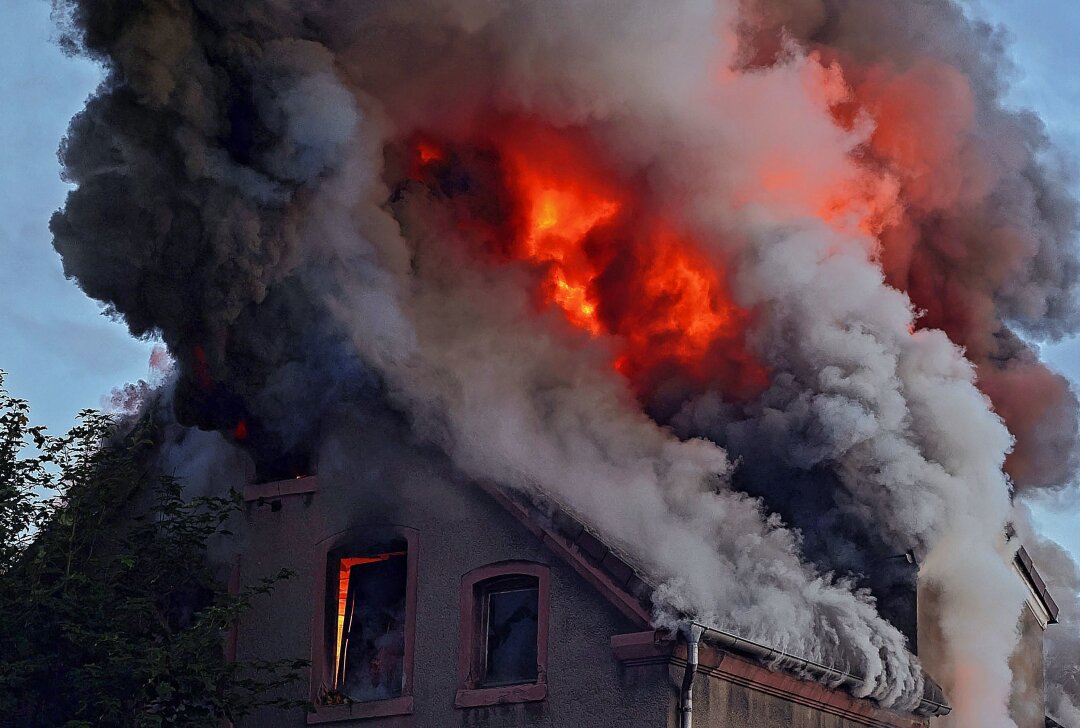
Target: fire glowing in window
{"type": "Point", "coordinates": [369, 625]}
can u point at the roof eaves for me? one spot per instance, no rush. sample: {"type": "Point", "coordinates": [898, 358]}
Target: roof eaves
{"type": "Point", "coordinates": [625, 583]}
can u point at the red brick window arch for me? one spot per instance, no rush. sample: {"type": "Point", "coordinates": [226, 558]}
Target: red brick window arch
{"type": "Point", "coordinates": [502, 657]}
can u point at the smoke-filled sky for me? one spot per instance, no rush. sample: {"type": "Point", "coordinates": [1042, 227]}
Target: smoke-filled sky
{"type": "Point", "coordinates": [230, 196]}
{"type": "Point", "coordinates": [63, 354]}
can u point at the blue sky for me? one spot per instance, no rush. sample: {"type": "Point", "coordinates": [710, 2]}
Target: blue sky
{"type": "Point", "coordinates": [56, 347]}
{"type": "Point", "coordinates": [63, 355]}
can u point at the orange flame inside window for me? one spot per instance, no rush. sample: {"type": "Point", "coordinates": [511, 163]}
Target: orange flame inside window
{"type": "Point", "coordinates": [344, 567]}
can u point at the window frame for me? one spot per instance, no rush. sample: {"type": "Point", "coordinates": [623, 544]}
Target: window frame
{"type": "Point", "coordinates": [360, 538]}
{"type": "Point", "coordinates": [472, 636]}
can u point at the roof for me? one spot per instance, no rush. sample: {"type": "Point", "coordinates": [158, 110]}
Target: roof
{"type": "Point", "coordinates": [628, 586]}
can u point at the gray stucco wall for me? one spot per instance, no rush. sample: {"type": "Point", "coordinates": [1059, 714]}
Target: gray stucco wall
{"type": "Point", "coordinates": [369, 471]}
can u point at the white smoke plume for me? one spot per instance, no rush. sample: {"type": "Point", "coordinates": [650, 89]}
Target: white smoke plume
{"type": "Point", "coordinates": [243, 189]}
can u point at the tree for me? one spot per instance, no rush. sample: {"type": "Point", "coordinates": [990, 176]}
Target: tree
{"type": "Point", "coordinates": [109, 611]}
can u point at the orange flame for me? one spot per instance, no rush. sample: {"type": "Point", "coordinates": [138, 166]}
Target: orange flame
{"type": "Point", "coordinates": [428, 152]}
{"type": "Point", "coordinates": [688, 288]}
{"type": "Point", "coordinates": [613, 266]}
{"type": "Point", "coordinates": [561, 212]}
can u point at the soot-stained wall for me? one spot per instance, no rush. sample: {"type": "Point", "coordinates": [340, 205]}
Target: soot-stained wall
{"type": "Point", "coordinates": [371, 472]}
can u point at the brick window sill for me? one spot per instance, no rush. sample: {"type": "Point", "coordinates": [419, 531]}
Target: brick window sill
{"type": "Point", "coordinates": [279, 488]}
{"type": "Point", "coordinates": [477, 697]}
{"type": "Point", "coordinates": [359, 711]}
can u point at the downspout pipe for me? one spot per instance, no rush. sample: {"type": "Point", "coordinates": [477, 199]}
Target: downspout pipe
{"type": "Point", "coordinates": [693, 633]}
{"type": "Point", "coordinates": [928, 705]}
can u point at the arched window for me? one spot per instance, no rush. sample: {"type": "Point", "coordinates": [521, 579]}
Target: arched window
{"type": "Point", "coordinates": [503, 634]}
{"type": "Point", "coordinates": [365, 624]}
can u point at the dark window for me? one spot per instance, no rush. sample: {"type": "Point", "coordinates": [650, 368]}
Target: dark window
{"type": "Point", "coordinates": [503, 640]}
{"type": "Point", "coordinates": [509, 623]}
{"type": "Point", "coordinates": [277, 465]}
{"type": "Point", "coordinates": [368, 607]}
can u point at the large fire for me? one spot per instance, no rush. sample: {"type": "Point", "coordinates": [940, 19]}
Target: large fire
{"type": "Point", "coordinates": [612, 265]}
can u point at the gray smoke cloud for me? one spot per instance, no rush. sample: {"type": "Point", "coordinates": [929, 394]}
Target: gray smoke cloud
{"type": "Point", "coordinates": [984, 245]}
{"type": "Point", "coordinates": [192, 163]}
{"type": "Point", "coordinates": [241, 190]}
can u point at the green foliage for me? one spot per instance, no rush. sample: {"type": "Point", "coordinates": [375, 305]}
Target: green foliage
{"type": "Point", "coordinates": [109, 612]}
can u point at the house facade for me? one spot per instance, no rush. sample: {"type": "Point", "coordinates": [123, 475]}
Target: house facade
{"type": "Point", "coordinates": [424, 599]}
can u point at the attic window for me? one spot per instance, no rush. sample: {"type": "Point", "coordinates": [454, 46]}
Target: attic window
{"type": "Point", "coordinates": [504, 626]}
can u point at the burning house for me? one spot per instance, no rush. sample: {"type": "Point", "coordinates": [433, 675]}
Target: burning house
{"type": "Point", "coordinates": [446, 601]}
{"type": "Point", "coordinates": [614, 362]}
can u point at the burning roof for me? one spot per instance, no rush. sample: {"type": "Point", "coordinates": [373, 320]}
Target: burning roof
{"type": "Point", "coordinates": [749, 284]}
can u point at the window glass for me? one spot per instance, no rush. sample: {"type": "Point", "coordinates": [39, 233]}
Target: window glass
{"type": "Point", "coordinates": [510, 619]}
{"type": "Point", "coordinates": [369, 644]}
